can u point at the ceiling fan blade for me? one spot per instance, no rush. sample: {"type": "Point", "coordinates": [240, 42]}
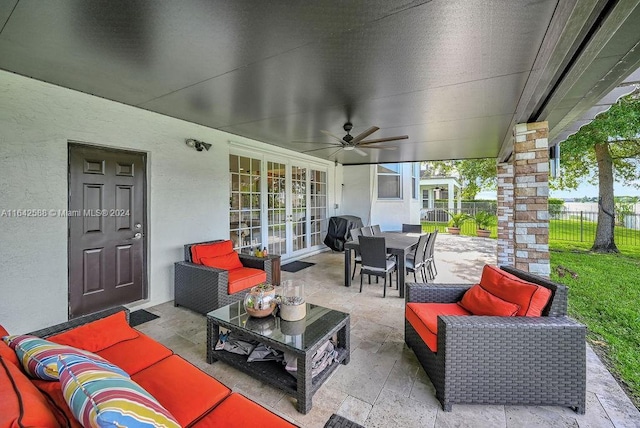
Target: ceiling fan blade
{"type": "Point", "coordinates": [382, 140]}
{"type": "Point", "coordinates": [377, 147]}
{"type": "Point", "coordinates": [322, 148]}
{"type": "Point", "coordinates": [360, 152]}
{"type": "Point", "coordinates": [331, 155]}
{"type": "Point", "coordinates": [332, 136]}
{"type": "Point", "coordinates": [361, 136]}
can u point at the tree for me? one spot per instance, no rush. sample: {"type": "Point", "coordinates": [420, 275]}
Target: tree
{"type": "Point", "coordinates": [605, 151]}
{"type": "Point", "coordinates": [474, 175]}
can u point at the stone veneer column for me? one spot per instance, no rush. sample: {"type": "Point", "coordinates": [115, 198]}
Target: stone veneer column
{"type": "Point", "coordinates": [531, 193]}
{"type": "Point", "coordinates": [506, 253]}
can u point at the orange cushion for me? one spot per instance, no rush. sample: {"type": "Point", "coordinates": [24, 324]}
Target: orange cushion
{"type": "Point", "coordinates": [53, 392]}
{"type": "Point", "coordinates": [210, 250]}
{"type": "Point", "coordinates": [531, 298]}
{"type": "Point", "coordinates": [424, 319]}
{"type": "Point", "coordinates": [227, 262]}
{"type": "Point", "coordinates": [21, 404]}
{"type": "Point", "coordinates": [7, 353]}
{"type": "Point", "coordinates": [237, 411]}
{"type": "Point", "coordinates": [136, 354]}
{"type": "Point", "coordinates": [478, 301]}
{"type": "Point", "coordinates": [185, 391]}
{"type": "Point", "coordinates": [241, 279]}
{"type": "Point", "coordinates": [98, 335]}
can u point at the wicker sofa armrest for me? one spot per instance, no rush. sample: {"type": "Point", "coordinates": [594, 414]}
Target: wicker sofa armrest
{"type": "Point", "coordinates": [435, 293]}
{"type": "Point", "coordinates": [76, 322]}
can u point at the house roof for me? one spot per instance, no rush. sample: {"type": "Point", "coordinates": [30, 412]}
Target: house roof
{"type": "Point", "coordinates": [454, 76]}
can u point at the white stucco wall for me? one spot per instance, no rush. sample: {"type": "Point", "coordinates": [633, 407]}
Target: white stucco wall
{"type": "Point", "coordinates": [188, 191]}
{"type": "Point", "coordinates": [360, 198]}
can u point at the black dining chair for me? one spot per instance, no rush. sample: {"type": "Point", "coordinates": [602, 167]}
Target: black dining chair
{"type": "Point", "coordinates": [376, 229]}
{"type": "Point", "coordinates": [429, 262]}
{"type": "Point", "coordinates": [374, 260]}
{"type": "Point", "coordinates": [411, 228]}
{"type": "Point", "coordinates": [355, 234]}
{"type": "Point", "coordinates": [416, 261]}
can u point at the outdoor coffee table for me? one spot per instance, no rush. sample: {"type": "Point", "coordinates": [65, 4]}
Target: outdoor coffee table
{"type": "Point", "coordinates": [301, 338]}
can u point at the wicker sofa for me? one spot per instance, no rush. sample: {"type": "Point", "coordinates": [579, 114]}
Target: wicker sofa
{"type": "Point", "coordinates": [204, 288]}
{"type": "Point", "coordinates": [191, 396]}
{"type": "Point", "coordinates": [501, 359]}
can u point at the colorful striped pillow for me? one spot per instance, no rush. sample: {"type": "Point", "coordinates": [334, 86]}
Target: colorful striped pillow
{"type": "Point", "coordinates": [100, 397]}
{"type": "Point", "coordinates": [39, 357]}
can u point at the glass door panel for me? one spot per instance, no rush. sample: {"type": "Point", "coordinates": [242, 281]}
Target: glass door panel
{"type": "Point", "coordinates": [299, 213]}
{"type": "Point", "coordinates": [318, 205]}
{"type": "Point", "coordinates": [276, 208]}
{"type": "Point", "coordinates": [245, 228]}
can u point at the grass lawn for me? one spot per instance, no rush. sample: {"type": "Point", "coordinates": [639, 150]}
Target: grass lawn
{"type": "Point", "coordinates": [605, 297]}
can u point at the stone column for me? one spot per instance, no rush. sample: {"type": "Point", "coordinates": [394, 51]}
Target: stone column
{"type": "Point", "coordinates": [531, 194]}
{"type": "Point", "coordinates": [523, 192]}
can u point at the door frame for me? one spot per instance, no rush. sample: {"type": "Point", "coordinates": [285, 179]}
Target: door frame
{"type": "Point", "coordinates": [145, 213]}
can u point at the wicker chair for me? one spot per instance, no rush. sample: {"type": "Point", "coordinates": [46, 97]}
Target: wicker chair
{"type": "Point", "coordinates": [203, 289]}
{"type": "Point", "coordinates": [503, 360]}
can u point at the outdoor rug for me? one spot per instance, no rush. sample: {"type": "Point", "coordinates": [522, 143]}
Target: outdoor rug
{"type": "Point", "coordinates": [337, 421]}
{"type": "Point", "coordinates": [296, 266]}
{"type": "Point", "coordinates": [140, 317]}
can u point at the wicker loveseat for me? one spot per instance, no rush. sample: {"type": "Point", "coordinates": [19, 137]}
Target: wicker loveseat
{"type": "Point", "coordinates": [500, 359]}
{"type": "Point", "coordinates": [204, 288]}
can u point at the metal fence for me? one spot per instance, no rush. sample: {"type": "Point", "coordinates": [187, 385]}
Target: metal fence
{"type": "Point", "coordinates": [439, 212]}
{"type": "Point", "coordinates": [581, 226]}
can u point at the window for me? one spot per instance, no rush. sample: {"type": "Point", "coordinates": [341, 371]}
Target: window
{"type": "Point", "coordinates": [244, 211]}
{"type": "Point", "coordinates": [389, 181]}
{"type": "Point", "coordinates": [415, 180]}
{"type": "Point", "coordinates": [425, 198]}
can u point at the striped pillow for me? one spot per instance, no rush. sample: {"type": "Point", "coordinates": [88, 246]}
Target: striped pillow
{"type": "Point", "coordinates": [100, 397]}
{"type": "Point", "coordinates": [39, 357]}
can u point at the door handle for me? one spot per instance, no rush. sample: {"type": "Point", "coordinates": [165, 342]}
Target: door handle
{"type": "Point", "coordinates": [137, 236]}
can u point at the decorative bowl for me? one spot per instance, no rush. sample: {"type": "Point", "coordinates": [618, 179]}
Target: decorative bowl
{"type": "Point", "coordinates": [260, 301]}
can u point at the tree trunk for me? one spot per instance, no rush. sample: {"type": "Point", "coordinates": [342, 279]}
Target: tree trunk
{"type": "Point", "coordinates": [604, 242]}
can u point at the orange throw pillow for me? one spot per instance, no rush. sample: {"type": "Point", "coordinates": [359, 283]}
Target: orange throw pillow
{"type": "Point", "coordinates": [532, 298]}
{"type": "Point", "coordinates": [210, 250]}
{"type": "Point", "coordinates": [229, 261]}
{"type": "Point", "coordinates": [479, 301]}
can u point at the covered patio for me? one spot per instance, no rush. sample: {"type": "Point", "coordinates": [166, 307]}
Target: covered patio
{"type": "Point", "coordinates": [384, 385]}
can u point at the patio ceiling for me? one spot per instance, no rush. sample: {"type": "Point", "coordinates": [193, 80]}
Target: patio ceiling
{"type": "Point", "coordinates": [454, 76]}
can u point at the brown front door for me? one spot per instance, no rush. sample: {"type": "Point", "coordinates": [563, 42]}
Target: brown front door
{"type": "Point", "coordinates": [106, 228]}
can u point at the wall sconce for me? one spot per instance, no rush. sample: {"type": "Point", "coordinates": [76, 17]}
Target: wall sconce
{"type": "Point", "coordinates": [554, 161]}
{"type": "Point", "coordinates": [198, 145]}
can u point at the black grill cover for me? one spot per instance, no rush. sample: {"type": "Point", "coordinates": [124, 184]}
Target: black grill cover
{"type": "Point", "coordinates": [338, 231]}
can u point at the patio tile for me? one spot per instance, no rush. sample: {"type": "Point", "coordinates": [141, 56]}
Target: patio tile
{"type": "Point", "coordinates": [536, 417]}
{"type": "Point", "coordinates": [472, 416]}
{"type": "Point", "coordinates": [395, 410]}
{"type": "Point", "coordinates": [325, 403]}
{"type": "Point", "coordinates": [355, 410]}
{"type": "Point", "coordinates": [364, 376]}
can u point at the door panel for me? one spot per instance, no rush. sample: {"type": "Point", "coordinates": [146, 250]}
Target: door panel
{"type": "Point", "coordinates": [106, 228]}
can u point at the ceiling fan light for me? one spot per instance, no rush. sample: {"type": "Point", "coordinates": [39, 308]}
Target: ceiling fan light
{"type": "Point", "coordinates": [349, 148]}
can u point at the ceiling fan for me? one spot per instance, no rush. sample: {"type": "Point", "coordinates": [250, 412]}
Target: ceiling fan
{"type": "Point", "coordinates": [351, 143]}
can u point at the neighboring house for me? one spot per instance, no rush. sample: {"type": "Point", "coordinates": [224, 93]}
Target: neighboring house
{"type": "Point", "coordinates": [385, 194]}
{"type": "Point", "coordinates": [434, 188]}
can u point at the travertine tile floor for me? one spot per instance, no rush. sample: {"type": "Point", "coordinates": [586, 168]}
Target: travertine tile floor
{"type": "Point", "coordinates": [384, 385]}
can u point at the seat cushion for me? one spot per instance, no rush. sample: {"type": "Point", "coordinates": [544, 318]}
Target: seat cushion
{"type": "Point", "coordinates": [53, 392]}
{"type": "Point", "coordinates": [237, 411]}
{"type": "Point", "coordinates": [424, 319]}
{"type": "Point", "coordinates": [478, 301]}
{"type": "Point", "coordinates": [98, 335]}
{"type": "Point", "coordinates": [229, 261]}
{"type": "Point", "coordinates": [213, 249]}
{"type": "Point", "coordinates": [243, 278]}
{"type": "Point", "coordinates": [136, 354]}
{"type": "Point", "coordinates": [101, 397]}
{"type": "Point", "coordinates": [531, 298]}
{"type": "Point", "coordinates": [21, 404]}
{"type": "Point", "coordinates": [185, 391]}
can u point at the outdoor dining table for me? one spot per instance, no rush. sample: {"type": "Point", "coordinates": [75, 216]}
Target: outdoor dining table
{"type": "Point", "coordinates": [399, 244]}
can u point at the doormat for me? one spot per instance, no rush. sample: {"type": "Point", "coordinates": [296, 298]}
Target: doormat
{"type": "Point", "coordinates": [140, 317]}
{"type": "Point", "coordinates": [337, 421]}
{"type": "Point", "coordinates": [296, 266]}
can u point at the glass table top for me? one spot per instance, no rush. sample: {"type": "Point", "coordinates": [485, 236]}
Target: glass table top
{"type": "Point", "coordinates": [301, 335]}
